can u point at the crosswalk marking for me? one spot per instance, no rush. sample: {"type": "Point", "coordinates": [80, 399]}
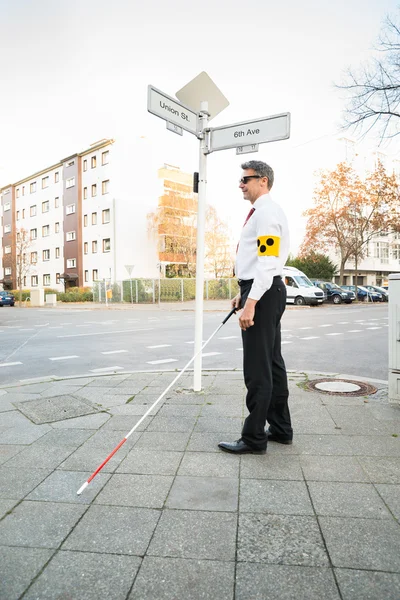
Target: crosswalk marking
{"type": "Point", "coordinates": [114, 351]}
{"type": "Point", "coordinates": [160, 362]}
{"type": "Point", "coordinates": [64, 357]}
{"type": "Point", "coordinates": [11, 364]}
{"type": "Point", "coordinates": [354, 331]}
{"type": "Point", "coordinates": [334, 334]}
{"type": "Point", "coordinates": [160, 346]}
{"type": "Point", "coordinates": [210, 353]}
{"type": "Point", "coordinates": [326, 325]}
{"type": "Point", "coordinates": [374, 327]}
{"type": "Point", "coordinates": [104, 369]}
{"type": "Point", "coordinates": [311, 337]}
{"type": "Point", "coordinates": [229, 337]}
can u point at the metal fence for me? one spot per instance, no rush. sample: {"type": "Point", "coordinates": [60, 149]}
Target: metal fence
{"type": "Point", "coordinates": [152, 291]}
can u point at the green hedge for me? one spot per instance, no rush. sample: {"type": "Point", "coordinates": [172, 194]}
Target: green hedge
{"type": "Point", "coordinates": [76, 294]}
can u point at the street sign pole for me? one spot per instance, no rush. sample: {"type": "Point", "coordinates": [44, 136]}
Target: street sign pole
{"type": "Point", "coordinates": [201, 226]}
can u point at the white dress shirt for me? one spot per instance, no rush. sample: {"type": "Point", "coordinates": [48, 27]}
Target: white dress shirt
{"type": "Point", "coordinates": [263, 246]}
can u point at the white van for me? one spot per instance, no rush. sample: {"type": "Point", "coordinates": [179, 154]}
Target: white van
{"type": "Point", "coordinates": [299, 288]}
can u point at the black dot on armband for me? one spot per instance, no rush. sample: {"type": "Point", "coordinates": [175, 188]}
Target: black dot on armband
{"type": "Point", "coordinates": [270, 242]}
{"type": "Point", "coordinates": [263, 248]}
{"type": "Point", "coordinates": [258, 242]}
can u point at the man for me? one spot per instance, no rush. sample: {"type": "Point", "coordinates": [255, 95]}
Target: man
{"type": "Point", "coordinates": [262, 253]}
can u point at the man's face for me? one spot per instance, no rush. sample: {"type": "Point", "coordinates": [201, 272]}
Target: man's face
{"type": "Point", "coordinates": [252, 185]}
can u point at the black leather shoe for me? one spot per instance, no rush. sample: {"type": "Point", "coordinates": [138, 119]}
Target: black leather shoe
{"type": "Point", "coordinates": [272, 437]}
{"type": "Point", "coordinates": [239, 447]}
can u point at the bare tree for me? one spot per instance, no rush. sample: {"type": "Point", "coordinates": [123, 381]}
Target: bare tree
{"type": "Point", "coordinates": [375, 88]}
{"type": "Point", "coordinates": [19, 260]}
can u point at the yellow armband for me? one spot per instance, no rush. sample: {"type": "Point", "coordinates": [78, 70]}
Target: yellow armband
{"type": "Point", "coordinates": [268, 245]}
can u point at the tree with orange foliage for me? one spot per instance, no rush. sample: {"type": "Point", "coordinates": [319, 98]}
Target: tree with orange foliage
{"type": "Point", "coordinates": [349, 212]}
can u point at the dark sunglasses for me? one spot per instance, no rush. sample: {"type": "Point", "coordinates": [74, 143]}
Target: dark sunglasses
{"type": "Point", "coordinates": [247, 178]}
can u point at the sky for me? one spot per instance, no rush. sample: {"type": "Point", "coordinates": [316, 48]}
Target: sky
{"type": "Point", "coordinates": [72, 73]}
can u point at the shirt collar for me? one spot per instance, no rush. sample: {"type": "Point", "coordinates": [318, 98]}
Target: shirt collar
{"type": "Point", "coordinates": [261, 201]}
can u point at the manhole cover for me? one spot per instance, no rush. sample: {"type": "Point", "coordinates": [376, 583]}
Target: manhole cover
{"type": "Point", "coordinates": [340, 387]}
{"type": "Point", "coordinates": [56, 408]}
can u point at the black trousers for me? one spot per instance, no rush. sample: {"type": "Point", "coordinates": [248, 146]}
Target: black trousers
{"type": "Point", "coordinates": [264, 368]}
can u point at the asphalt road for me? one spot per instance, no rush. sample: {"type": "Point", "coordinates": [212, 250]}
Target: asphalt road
{"type": "Point", "coordinates": [65, 341]}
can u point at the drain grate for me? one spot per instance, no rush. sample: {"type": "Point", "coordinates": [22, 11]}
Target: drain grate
{"type": "Point", "coordinates": [340, 387]}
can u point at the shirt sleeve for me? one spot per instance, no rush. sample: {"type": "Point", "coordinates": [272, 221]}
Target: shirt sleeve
{"type": "Point", "coordinates": [268, 248]}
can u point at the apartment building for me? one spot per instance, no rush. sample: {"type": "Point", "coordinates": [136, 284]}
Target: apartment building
{"type": "Point", "coordinates": [68, 212]}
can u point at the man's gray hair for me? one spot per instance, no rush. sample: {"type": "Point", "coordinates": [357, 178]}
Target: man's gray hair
{"type": "Point", "coordinates": [260, 168]}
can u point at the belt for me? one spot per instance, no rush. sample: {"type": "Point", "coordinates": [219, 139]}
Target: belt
{"type": "Point", "coordinates": [276, 280]}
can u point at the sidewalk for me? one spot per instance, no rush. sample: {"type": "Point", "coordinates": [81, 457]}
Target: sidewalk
{"type": "Point", "coordinates": [171, 517]}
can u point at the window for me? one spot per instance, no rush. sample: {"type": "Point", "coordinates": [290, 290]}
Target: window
{"type": "Point", "coordinates": [7, 206]}
{"type": "Point", "coordinates": [94, 190]}
{"type": "Point", "coordinates": [34, 280]}
{"type": "Point", "coordinates": [32, 187]}
{"type": "Point", "coordinates": [381, 250]}
{"type": "Point", "coordinates": [45, 206]}
{"type": "Point", "coordinates": [7, 271]}
{"type": "Point", "coordinates": [85, 165]}
{"type": "Point", "coordinates": [70, 209]}
{"type": "Point", "coordinates": [106, 245]}
{"type": "Point", "coordinates": [7, 249]}
{"type": "Point", "coordinates": [85, 193]}
{"type": "Point", "coordinates": [86, 276]}
{"type": "Point", "coordinates": [85, 248]}
{"type": "Point", "coordinates": [105, 215]}
{"type": "Point", "coordinates": [57, 252]}
{"type": "Point", "coordinates": [94, 218]}
{"type": "Point", "coordinates": [17, 192]}
{"type": "Point", "coordinates": [56, 177]}
{"type": "Point", "coordinates": [45, 182]}
{"type": "Point", "coordinates": [395, 251]}
{"type": "Point", "coordinates": [46, 254]}
{"type": "Point", "coordinates": [46, 279]}
{"type": "Point", "coordinates": [93, 162]}
{"type": "Point", "coordinates": [23, 190]}
{"type": "Point", "coordinates": [71, 164]}
{"type": "Point", "coordinates": [70, 182]}
{"type": "Point", "coordinates": [33, 211]}
{"type": "Point", "coordinates": [33, 258]}
{"type": "Point", "coordinates": [105, 186]}
{"type": "Point", "coordinates": [85, 221]}
{"type": "Point", "coordinates": [71, 235]}
{"type": "Point", "coordinates": [23, 213]}
{"type": "Point", "coordinates": [17, 215]}
{"type": "Point", "coordinates": [56, 227]}
{"type": "Point", "coordinates": [94, 246]}
{"type": "Point", "coordinates": [45, 230]}
{"type": "Point", "coordinates": [25, 281]}
{"type": "Point", "coordinates": [33, 234]}
{"type": "Point", "coordinates": [71, 263]}
{"type": "Point", "coordinates": [58, 277]}
{"type": "Point", "coordinates": [104, 157]}
{"type": "Point", "coordinates": [18, 236]}
{"type": "Point", "coordinates": [7, 228]}
{"type": "Point", "coordinates": [95, 274]}
{"type": "Point", "coordinates": [56, 202]}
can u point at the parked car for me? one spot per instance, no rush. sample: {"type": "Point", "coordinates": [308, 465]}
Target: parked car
{"type": "Point", "coordinates": [6, 299]}
{"type": "Point", "coordinates": [334, 293]}
{"type": "Point", "coordinates": [363, 294]}
{"type": "Point", "coordinates": [380, 290]}
{"type": "Point", "coordinates": [299, 289]}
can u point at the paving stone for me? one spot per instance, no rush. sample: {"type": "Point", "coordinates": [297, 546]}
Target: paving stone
{"type": "Point", "coordinates": [7, 451]}
{"type": "Point", "coordinates": [207, 442]}
{"type": "Point", "coordinates": [368, 585]}
{"type": "Point", "coordinates": [210, 424]}
{"type": "Point", "coordinates": [382, 470]}
{"type": "Point", "coordinates": [280, 582]}
{"type": "Point", "coordinates": [362, 543]}
{"type": "Point", "coordinates": [6, 505]}
{"type": "Point", "coordinates": [347, 500]}
{"type": "Point", "coordinates": [74, 380]}
{"type": "Point", "coordinates": [174, 442]}
{"type": "Point", "coordinates": [179, 410]}
{"type": "Point", "coordinates": [150, 462]}
{"type": "Point", "coordinates": [13, 418]}
{"type": "Point", "coordinates": [62, 486]}
{"type": "Point", "coordinates": [59, 389]}
{"type": "Point", "coordinates": [356, 419]}
{"type": "Point", "coordinates": [204, 493]}
{"type": "Point", "coordinates": [114, 530]}
{"type": "Point", "coordinates": [78, 575]}
{"type": "Point", "coordinates": [17, 482]}
{"type": "Point", "coordinates": [65, 437]}
{"type": "Point", "coordinates": [332, 468]}
{"type": "Point", "coordinates": [107, 439]}
{"type": "Point", "coordinates": [27, 434]}
{"type": "Point", "coordinates": [39, 524]}
{"type": "Point", "coordinates": [195, 534]}
{"type": "Point", "coordinates": [107, 382]}
{"type": "Point", "coordinates": [109, 401]}
{"type": "Point", "coordinates": [174, 398]}
{"type": "Point", "coordinates": [172, 424]}
{"type": "Point", "coordinates": [18, 397]}
{"type": "Point", "coordinates": [173, 578]}
{"type": "Point", "coordinates": [213, 464]}
{"type": "Point", "coordinates": [265, 496]}
{"type": "Point", "coordinates": [281, 539]}
{"type": "Point", "coordinates": [89, 457]}
{"type": "Point", "coordinates": [90, 422]}
{"type": "Point", "coordinates": [319, 423]}
{"type": "Point", "coordinates": [6, 404]}
{"type": "Point", "coordinates": [18, 566]}
{"type": "Point", "coordinates": [131, 410]}
{"type": "Point", "coordinates": [40, 457]}
{"type": "Point", "coordinates": [126, 423]}
{"type": "Point", "coordinates": [136, 490]}
{"type": "Point", "coordinates": [32, 388]}
{"type": "Point", "coordinates": [323, 445]}
{"type": "Point", "coordinates": [271, 467]}
{"type": "Point", "coordinates": [391, 495]}
{"type": "Point", "coordinates": [378, 446]}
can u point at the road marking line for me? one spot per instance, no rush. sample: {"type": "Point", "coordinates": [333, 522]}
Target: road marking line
{"type": "Point", "coordinates": [229, 337]}
{"type": "Point", "coordinates": [107, 369]}
{"type": "Point", "coordinates": [160, 362]}
{"type": "Point", "coordinates": [334, 334]}
{"type": "Point", "coordinates": [211, 354]}
{"type": "Point", "coordinates": [311, 337]}
{"type": "Point", "coordinates": [303, 328]}
{"type": "Point", "coordinates": [343, 323]}
{"type": "Point", "coordinates": [30, 329]}
{"type": "Point", "coordinates": [55, 327]}
{"type": "Point", "coordinates": [354, 331]}
{"type": "Point", "coordinates": [64, 357]}
{"type": "Point", "coordinates": [43, 325]}
{"type": "Point", "coordinates": [10, 364]}
{"type": "Point", "coordinates": [193, 342]}
{"type": "Point", "coordinates": [160, 346]}
{"type": "Point", "coordinates": [114, 351]}
{"type": "Point", "coordinates": [241, 349]}
{"type": "Point", "coordinates": [103, 332]}
{"type": "Point", "coordinates": [286, 342]}
{"type": "Point", "coordinates": [326, 325]}
{"type": "Point", "coordinates": [66, 323]}
{"type": "Point", "coordinates": [374, 327]}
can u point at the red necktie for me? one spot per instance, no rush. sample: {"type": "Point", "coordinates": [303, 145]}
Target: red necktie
{"type": "Point", "coordinates": [247, 218]}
